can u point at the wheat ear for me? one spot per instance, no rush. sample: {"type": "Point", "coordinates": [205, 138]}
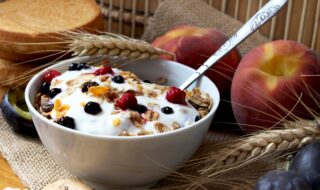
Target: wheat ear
{"type": "Point", "coordinates": [260, 145]}
{"type": "Point", "coordinates": [86, 44]}
{"type": "Point", "coordinates": [228, 165]}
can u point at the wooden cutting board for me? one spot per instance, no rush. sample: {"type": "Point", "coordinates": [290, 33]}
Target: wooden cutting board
{"type": "Point", "coordinates": [7, 176]}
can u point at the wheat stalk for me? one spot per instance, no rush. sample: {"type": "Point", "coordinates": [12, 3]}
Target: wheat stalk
{"type": "Point", "coordinates": [229, 165]}
{"type": "Point", "coordinates": [260, 145]}
{"type": "Point", "coordinates": [82, 43]}
{"type": "Point", "coordinates": [86, 44]}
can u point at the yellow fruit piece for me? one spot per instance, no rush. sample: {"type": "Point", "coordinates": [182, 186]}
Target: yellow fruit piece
{"type": "Point", "coordinates": [116, 122]}
{"type": "Point", "coordinates": [98, 90]}
{"type": "Point", "coordinates": [60, 108]}
{"type": "Point", "coordinates": [189, 94]}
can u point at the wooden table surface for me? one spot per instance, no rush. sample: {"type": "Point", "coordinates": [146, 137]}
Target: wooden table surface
{"type": "Point", "coordinates": [7, 177]}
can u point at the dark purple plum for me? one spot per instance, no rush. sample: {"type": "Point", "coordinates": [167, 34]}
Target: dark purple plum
{"type": "Point", "coordinates": [307, 164]}
{"type": "Point", "coordinates": [282, 180]}
{"type": "Point", "coordinates": [16, 113]}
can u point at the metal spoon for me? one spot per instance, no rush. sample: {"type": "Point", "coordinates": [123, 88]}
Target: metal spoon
{"type": "Point", "coordinates": [255, 22]}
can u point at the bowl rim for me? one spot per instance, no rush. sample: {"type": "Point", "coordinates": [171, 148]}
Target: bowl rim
{"type": "Point", "coordinates": [34, 112]}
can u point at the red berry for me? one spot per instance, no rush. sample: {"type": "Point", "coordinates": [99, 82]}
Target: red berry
{"type": "Point", "coordinates": [103, 70]}
{"type": "Point", "coordinates": [176, 96]}
{"type": "Point", "coordinates": [127, 100]}
{"type": "Point", "coordinates": [49, 75]}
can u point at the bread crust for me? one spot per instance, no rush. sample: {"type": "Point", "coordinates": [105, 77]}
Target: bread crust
{"type": "Point", "coordinates": [11, 50]}
{"type": "Point", "coordinates": [10, 70]}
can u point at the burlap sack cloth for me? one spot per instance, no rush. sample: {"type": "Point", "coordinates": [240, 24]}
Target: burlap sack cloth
{"type": "Point", "coordinates": [29, 159]}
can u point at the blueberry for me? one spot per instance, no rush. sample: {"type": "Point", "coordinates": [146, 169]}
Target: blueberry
{"type": "Point", "coordinates": [67, 122]}
{"type": "Point", "coordinates": [146, 81]}
{"type": "Point", "coordinates": [83, 66]}
{"type": "Point", "coordinates": [87, 85]}
{"type": "Point", "coordinates": [118, 79]}
{"type": "Point", "coordinates": [45, 88]}
{"type": "Point", "coordinates": [73, 67]}
{"type": "Point", "coordinates": [53, 92]}
{"type": "Point", "coordinates": [78, 67]}
{"type": "Point", "coordinates": [141, 108]}
{"type": "Point", "coordinates": [197, 118]}
{"type": "Point", "coordinates": [92, 108]}
{"type": "Point", "coordinates": [167, 110]}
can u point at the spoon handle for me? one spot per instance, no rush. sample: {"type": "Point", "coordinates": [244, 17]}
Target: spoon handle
{"type": "Point", "coordinates": [255, 22]}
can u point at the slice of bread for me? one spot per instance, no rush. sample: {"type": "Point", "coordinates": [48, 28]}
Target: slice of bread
{"type": "Point", "coordinates": [38, 21]}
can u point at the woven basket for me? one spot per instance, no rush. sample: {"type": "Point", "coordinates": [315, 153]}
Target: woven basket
{"type": "Point", "coordinates": [298, 21]}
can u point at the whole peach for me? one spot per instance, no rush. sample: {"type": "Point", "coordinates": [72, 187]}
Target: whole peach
{"type": "Point", "coordinates": [275, 82]}
{"type": "Point", "coordinates": [193, 46]}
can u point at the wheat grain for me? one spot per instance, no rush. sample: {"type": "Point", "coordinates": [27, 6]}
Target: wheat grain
{"type": "Point", "coordinates": [85, 44]}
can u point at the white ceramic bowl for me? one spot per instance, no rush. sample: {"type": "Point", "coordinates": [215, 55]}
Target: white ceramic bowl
{"type": "Point", "coordinates": [109, 161]}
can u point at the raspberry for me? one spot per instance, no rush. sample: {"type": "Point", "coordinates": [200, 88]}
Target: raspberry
{"type": "Point", "coordinates": [103, 70]}
{"type": "Point", "coordinates": [49, 75]}
{"type": "Point", "coordinates": [127, 100]}
{"type": "Point", "coordinates": [176, 96]}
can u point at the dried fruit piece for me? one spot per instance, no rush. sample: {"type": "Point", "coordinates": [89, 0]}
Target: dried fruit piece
{"type": "Point", "coordinates": [60, 108]}
{"type": "Point", "coordinates": [98, 90]}
{"type": "Point", "coordinates": [85, 86]}
{"type": "Point", "coordinates": [116, 122]}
